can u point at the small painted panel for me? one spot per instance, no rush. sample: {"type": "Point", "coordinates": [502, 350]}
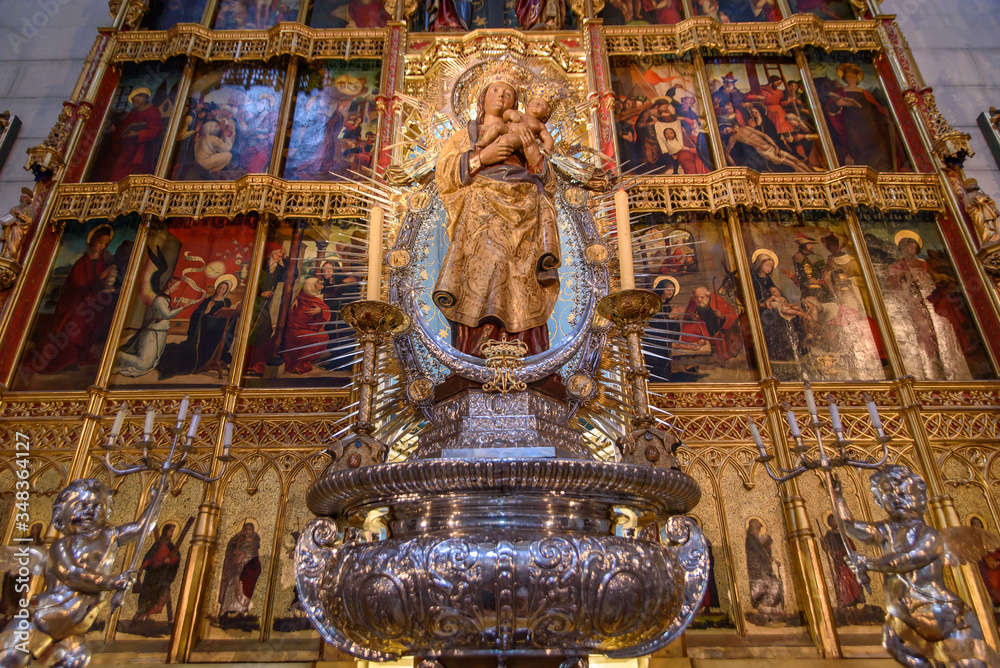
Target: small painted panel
{"type": "Point", "coordinates": [348, 14]}
{"type": "Point", "coordinates": [335, 121]}
{"type": "Point", "coordinates": [230, 123]}
{"type": "Point", "coordinates": [738, 11]}
{"type": "Point", "coordinates": [254, 14]}
{"type": "Point", "coordinates": [659, 118]}
{"type": "Point", "coordinates": [73, 320]}
{"type": "Point", "coordinates": [764, 119]}
{"type": "Point", "coordinates": [165, 14]}
{"type": "Point", "coordinates": [642, 12]}
{"type": "Point", "coordinates": [828, 10]}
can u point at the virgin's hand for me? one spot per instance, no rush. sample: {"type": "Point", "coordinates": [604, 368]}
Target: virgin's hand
{"type": "Point", "coordinates": [530, 147]}
{"type": "Point", "coordinates": [495, 153]}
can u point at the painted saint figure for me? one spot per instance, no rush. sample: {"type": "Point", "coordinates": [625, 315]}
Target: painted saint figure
{"type": "Point", "coordinates": [136, 141]}
{"type": "Point", "coordinates": [307, 317]}
{"type": "Point", "coordinates": [159, 568]}
{"type": "Point", "coordinates": [500, 272]}
{"type": "Point", "coordinates": [849, 591]}
{"type": "Point", "coordinates": [240, 571]}
{"type": "Point", "coordinates": [209, 334]}
{"type": "Point", "coordinates": [766, 591]}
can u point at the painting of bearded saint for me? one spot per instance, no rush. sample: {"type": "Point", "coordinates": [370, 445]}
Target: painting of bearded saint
{"type": "Point", "coordinates": [497, 279]}
{"type": "Point", "coordinates": [240, 572]}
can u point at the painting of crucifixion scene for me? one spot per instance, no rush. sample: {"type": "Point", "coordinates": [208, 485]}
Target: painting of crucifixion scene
{"type": "Point", "coordinates": [659, 120]}
{"type": "Point", "coordinates": [764, 118]}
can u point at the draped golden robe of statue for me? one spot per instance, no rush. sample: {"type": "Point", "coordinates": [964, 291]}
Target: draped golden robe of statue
{"type": "Point", "coordinates": [501, 264]}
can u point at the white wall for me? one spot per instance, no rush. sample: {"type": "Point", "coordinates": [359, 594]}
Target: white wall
{"type": "Point", "coordinates": [43, 45]}
{"type": "Point", "coordinates": [956, 44]}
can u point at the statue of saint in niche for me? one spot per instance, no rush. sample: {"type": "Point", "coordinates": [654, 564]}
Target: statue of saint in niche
{"type": "Point", "coordinates": [499, 275]}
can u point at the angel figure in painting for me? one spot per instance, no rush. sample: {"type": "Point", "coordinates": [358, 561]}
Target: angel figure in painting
{"type": "Point", "coordinates": [928, 625]}
{"type": "Point", "coordinates": [78, 570]}
{"type": "Point", "coordinates": [500, 272]}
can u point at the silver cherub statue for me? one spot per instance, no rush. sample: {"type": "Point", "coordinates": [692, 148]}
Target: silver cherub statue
{"type": "Point", "coordinates": [927, 625]}
{"type": "Point", "coordinates": [79, 573]}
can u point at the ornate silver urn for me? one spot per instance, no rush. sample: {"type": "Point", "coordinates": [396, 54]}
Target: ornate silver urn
{"type": "Point", "coordinates": [509, 508]}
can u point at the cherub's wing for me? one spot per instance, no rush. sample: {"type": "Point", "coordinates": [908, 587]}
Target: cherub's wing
{"type": "Point", "coordinates": [424, 132]}
{"type": "Point", "coordinates": [14, 557]}
{"type": "Point", "coordinates": [965, 544]}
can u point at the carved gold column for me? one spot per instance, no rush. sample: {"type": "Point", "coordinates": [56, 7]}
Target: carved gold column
{"type": "Point", "coordinates": [201, 552]}
{"type": "Point", "coordinates": [819, 118]}
{"type": "Point", "coordinates": [281, 134]}
{"type": "Point", "coordinates": [180, 109]}
{"type": "Point", "coordinates": [714, 134]}
{"type": "Point", "coordinates": [802, 545]}
{"type": "Point", "coordinates": [968, 581]}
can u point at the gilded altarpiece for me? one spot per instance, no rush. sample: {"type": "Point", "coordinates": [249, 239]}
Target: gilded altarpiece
{"type": "Point", "coordinates": [240, 202]}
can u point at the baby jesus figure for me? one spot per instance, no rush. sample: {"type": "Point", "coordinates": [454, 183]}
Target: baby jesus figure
{"type": "Point", "coordinates": [536, 115]}
{"type": "Point", "coordinates": [787, 311]}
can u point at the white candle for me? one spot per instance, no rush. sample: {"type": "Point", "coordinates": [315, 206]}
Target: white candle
{"type": "Point", "coordinates": [375, 254]}
{"type": "Point", "coordinates": [792, 422]}
{"type": "Point", "coordinates": [624, 240]}
{"type": "Point", "coordinates": [834, 413]}
{"type": "Point", "coordinates": [116, 428]}
{"type": "Point", "coordinates": [147, 430]}
{"type": "Point", "coordinates": [756, 435]}
{"type": "Point", "coordinates": [810, 400]}
{"type": "Point", "coordinates": [193, 429]}
{"type": "Point", "coordinates": [182, 413]}
{"type": "Point", "coordinates": [873, 412]}
{"type": "Point", "coordinates": [227, 440]}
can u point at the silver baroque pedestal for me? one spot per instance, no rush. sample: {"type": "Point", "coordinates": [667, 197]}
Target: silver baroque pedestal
{"type": "Point", "coordinates": [502, 557]}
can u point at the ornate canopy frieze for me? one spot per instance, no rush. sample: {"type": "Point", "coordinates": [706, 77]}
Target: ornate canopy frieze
{"type": "Point", "coordinates": [778, 37]}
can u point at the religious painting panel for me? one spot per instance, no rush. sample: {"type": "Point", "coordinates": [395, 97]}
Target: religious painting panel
{"type": "Point", "coordinates": [764, 118]}
{"type": "Point", "coordinates": [828, 10]}
{"type": "Point", "coordinates": [642, 12]}
{"type": "Point", "coordinates": [228, 129]}
{"type": "Point", "coordinates": [702, 331]}
{"type": "Point", "coordinates": [717, 610]}
{"type": "Point", "coordinates": [181, 323]}
{"type": "Point", "coordinates": [288, 616]}
{"type": "Point", "coordinates": [165, 14]}
{"type": "Point", "coordinates": [815, 308]}
{"type": "Point", "coordinates": [756, 537]}
{"type": "Point", "coordinates": [310, 272]}
{"type": "Point", "coordinates": [854, 609]}
{"type": "Point", "coordinates": [239, 585]}
{"type": "Point", "coordinates": [659, 118]}
{"type": "Point", "coordinates": [934, 328]}
{"type": "Point", "coordinates": [10, 597]}
{"type": "Point", "coordinates": [738, 11]}
{"type": "Point", "coordinates": [73, 319]}
{"type": "Point", "coordinates": [255, 14]}
{"type": "Point", "coordinates": [348, 14]}
{"type": "Point", "coordinates": [462, 15]}
{"type": "Point", "coordinates": [335, 121]}
{"type": "Point", "coordinates": [148, 612]}
{"type": "Point", "coordinates": [137, 120]}
{"type": "Point", "coordinates": [858, 114]}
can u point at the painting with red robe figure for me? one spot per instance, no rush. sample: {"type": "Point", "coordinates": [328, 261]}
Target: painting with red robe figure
{"type": "Point", "coordinates": [335, 121]}
{"type": "Point", "coordinates": [815, 307]}
{"type": "Point", "coordinates": [659, 117]}
{"type": "Point", "coordinates": [642, 12]}
{"type": "Point", "coordinates": [137, 120]}
{"type": "Point", "coordinates": [853, 606]}
{"type": "Point", "coordinates": [738, 11]}
{"type": "Point", "coordinates": [73, 320]}
{"type": "Point", "coordinates": [165, 14]}
{"type": "Point", "coordinates": [989, 565]}
{"type": "Point", "coordinates": [933, 326]}
{"type": "Point", "coordinates": [828, 10]}
{"type": "Point", "coordinates": [254, 14]}
{"type": "Point", "coordinates": [311, 270]}
{"type": "Point", "coordinates": [229, 124]}
{"type": "Point", "coordinates": [181, 322]}
{"type": "Point", "coordinates": [859, 115]}
{"type": "Point", "coordinates": [763, 115]}
{"type": "Point", "coordinates": [348, 14]}
{"type": "Point", "coordinates": [701, 332]}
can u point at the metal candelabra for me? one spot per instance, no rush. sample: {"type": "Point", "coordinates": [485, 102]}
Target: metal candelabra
{"type": "Point", "coordinates": [171, 465]}
{"type": "Point", "coordinates": [825, 461]}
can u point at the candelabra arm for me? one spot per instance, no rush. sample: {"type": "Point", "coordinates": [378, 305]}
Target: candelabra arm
{"type": "Point", "coordinates": [629, 311]}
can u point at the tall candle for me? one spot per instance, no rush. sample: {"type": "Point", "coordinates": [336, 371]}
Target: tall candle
{"type": "Point", "coordinates": [793, 424]}
{"type": "Point", "coordinates": [624, 240]}
{"type": "Point", "coordinates": [116, 428]}
{"type": "Point", "coordinates": [834, 413]}
{"type": "Point", "coordinates": [810, 400]}
{"type": "Point", "coordinates": [375, 254]}
{"type": "Point", "coordinates": [147, 430]}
